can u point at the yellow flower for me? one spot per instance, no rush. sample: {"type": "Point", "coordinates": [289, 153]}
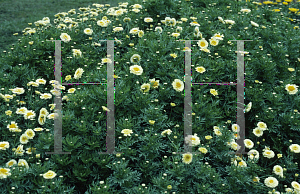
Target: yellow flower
{"type": "Point", "coordinates": [169, 187]}
{"type": "Point", "coordinates": [154, 83]}
{"type": "Point", "coordinates": [88, 31]}
{"type": "Point", "coordinates": [68, 77]}
{"type": "Point", "coordinates": [200, 69]}
{"type": "Point", "coordinates": [208, 137]}
{"type": "Point", "coordinates": [178, 85]}
{"type": "Point", "coordinates": [49, 175]}
{"type": "Point", "coordinates": [77, 52]}
{"type": "Point", "coordinates": [173, 55]}
{"type": "Point", "coordinates": [184, 19]}
{"type": "Point", "coordinates": [105, 109]}
{"type": "Point", "coordinates": [202, 43]}
{"type": "Point", "coordinates": [145, 87]}
{"type": "Point", "coordinates": [141, 33]}
{"type": "Point", "coordinates": [293, 9]}
{"type": "Point", "coordinates": [291, 88]}
{"type": "Point", "coordinates": [151, 122]}
{"type": "Point", "coordinates": [175, 34]}
{"type": "Point", "coordinates": [203, 150]}
{"type": "Point", "coordinates": [106, 60]}
{"type": "Point", "coordinates": [31, 42]}
{"type": "Point", "coordinates": [279, 155]}
{"type": "Point", "coordinates": [8, 112]}
{"type": "Point", "coordinates": [291, 69]}
{"type": "Point", "coordinates": [21, 102]}
{"type": "Point", "coordinates": [187, 158]}
{"type": "Point", "coordinates": [173, 104]}
{"type": "Point", "coordinates": [213, 92]}
{"type": "Point", "coordinates": [126, 132]}
{"type": "Point", "coordinates": [136, 69]}
{"type": "Point", "coordinates": [131, 44]}
{"type": "Point", "coordinates": [186, 49]}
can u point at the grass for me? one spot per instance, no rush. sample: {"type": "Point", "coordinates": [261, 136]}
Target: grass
{"type": "Point", "coordinates": [15, 15]}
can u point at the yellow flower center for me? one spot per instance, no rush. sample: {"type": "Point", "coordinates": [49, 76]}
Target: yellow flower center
{"type": "Point", "coordinates": [12, 126]}
{"type": "Point", "coordinates": [291, 88]}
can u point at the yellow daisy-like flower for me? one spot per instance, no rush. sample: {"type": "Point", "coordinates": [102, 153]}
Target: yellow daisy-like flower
{"type": "Point", "coordinates": [194, 23]}
{"type": "Point", "coordinates": [42, 119]}
{"type": "Point", "coordinates": [145, 88]}
{"type": "Point", "coordinates": [40, 81]}
{"type": "Point", "coordinates": [88, 31]}
{"type": "Point", "coordinates": [24, 139]}
{"type": "Point", "coordinates": [202, 43]}
{"type": "Point", "coordinates": [184, 19]}
{"type": "Point", "coordinates": [135, 58]}
{"type": "Point", "coordinates": [208, 137]}
{"type": "Point", "coordinates": [71, 90]}
{"type": "Point", "coordinates": [11, 163]}
{"type": "Point", "coordinates": [175, 34]}
{"type": "Point", "coordinates": [200, 69]}
{"type": "Point", "coordinates": [126, 132]}
{"type": "Point", "coordinates": [154, 83]}
{"type": "Point", "coordinates": [151, 122]}
{"type": "Point", "coordinates": [17, 90]}
{"type": "Point", "coordinates": [203, 150]}
{"type": "Point", "coordinates": [68, 77]}
{"type": "Point", "coordinates": [105, 109]}
{"type": "Point", "coordinates": [49, 175]}
{"type": "Point", "coordinates": [118, 29]}
{"type": "Point", "coordinates": [295, 148]}
{"type": "Point", "coordinates": [4, 145]}
{"type": "Point", "coordinates": [77, 52]}
{"type": "Point", "coordinates": [173, 55]}
{"type": "Point", "coordinates": [291, 88]}
{"type": "Point", "coordinates": [78, 73]}
{"type": "Point", "coordinates": [21, 102]}
{"type": "Point", "coordinates": [148, 19]}
{"type": "Point", "coordinates": [141, 33]}
{"type": "Point", "coordinates": [29, 133]}
{"type": "Point", "coordinates": [8, 112]}
{"type": "Point", "coordinates": [106, 60]}
{"type": "Point", "coordinates": [178, 85]}
{"type": "Point", "coordinates": [187, 158]}
{"type": "Point", "coordinates": [213, 41]}
{"type": "Point", "coordinates": [213, 92]}
{"type": "Point", "coordinates": [186, 49]}
{"type": "Point", "coordinates": [46, 96]}
{"type": "Point", "coordinates": [65, 37]}
{"type": "Point", "coordinates": [291, 69]}
{"type": "Point", "coordinates": [136, 69]}
{"type": "Point", "coordinates": [134, 31]}
{"type": "Point", "coordinates": [4, 172]}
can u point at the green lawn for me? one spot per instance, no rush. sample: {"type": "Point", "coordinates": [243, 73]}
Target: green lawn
{"type": "Point", "coordinates": [15, 15]}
